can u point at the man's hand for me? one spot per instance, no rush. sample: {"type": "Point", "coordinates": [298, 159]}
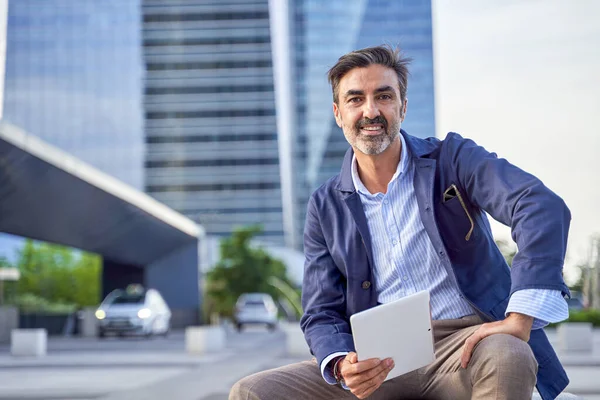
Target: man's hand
{"type": "Point", "coordinates": [518, 325]}
{"type": "Point", "coordinates": [364, 377]}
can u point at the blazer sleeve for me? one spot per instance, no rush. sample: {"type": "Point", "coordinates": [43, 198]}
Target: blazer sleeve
{"type": "Point", "coordinates": [539, 219]}
{"type": "Point", "coordinates": [324, 321]}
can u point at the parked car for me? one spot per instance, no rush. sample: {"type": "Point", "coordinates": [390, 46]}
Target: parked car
{"type": "Point", "coordinates": [134, 310]}
{"type": "Point", "coordinates": [255, 308]}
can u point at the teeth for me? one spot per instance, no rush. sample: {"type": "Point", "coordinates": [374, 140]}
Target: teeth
{"type": "Point", "coordinates": [371, 128]}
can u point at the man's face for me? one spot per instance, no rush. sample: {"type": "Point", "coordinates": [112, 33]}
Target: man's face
{"type": "Point", "coordinates": [369, 108]}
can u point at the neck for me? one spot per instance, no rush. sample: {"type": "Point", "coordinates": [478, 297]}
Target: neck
{"type": "Point", "coordinates": [376, 171]}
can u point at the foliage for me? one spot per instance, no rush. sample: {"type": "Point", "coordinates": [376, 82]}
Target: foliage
{"type": "Point", "coordinates": [57, 275]}
{"type": "Point", "coordinates": [241, 269]}
{"type": "Point", "coordinates": [30, 303]}
{"type": "Point", "coordinates": [587, 315]}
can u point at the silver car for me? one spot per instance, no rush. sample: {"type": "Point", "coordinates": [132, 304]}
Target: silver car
{"type": "Point", "coordinates": [133, 311]}
{"type": "Point", "coordinates": [255, 308]}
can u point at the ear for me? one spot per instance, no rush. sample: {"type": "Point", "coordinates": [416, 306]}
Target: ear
{"type": "Point", "coordinates": [403, 109]}
{"type": "Point", "coordinates": [336, 113]}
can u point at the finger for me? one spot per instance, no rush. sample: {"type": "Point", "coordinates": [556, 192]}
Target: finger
{"type": "Point", "coordinates": [470, 344]}
{"type": "Point", "coordinates": [352, 357]}
{"type": "Point", "coordinates": [356, 380]}
{"type": "Point", "coordinates": [373, 383]}
{"type": "Point", "coordinates": [363, 394]}
{"type": "Point", "coordinates": [362, 366]}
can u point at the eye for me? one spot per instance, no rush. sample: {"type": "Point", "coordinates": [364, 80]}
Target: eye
{"type": "Point", "coordinates": [354, 100]}
{"type": "Point", "coordinates": [385, 97]}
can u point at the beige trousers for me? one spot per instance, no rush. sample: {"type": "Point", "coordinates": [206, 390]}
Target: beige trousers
{"type": "Point", "coordinates": [501, 367]}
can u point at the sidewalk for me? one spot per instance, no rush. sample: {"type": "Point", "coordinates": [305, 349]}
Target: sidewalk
{"type": "Point", "coordinates": [168, 372]}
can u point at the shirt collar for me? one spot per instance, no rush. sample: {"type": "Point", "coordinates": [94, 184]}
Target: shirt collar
{"type": "Point", "coordinates": [402, 166]}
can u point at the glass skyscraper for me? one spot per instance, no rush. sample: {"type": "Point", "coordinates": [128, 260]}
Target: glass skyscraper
{"type": "Point", "coordinates": [74, 79]}
{"type": "Point", "coordinates": [211, 136]}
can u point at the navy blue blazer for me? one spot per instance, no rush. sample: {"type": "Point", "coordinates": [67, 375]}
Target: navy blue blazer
{"type": "Point", "coordinates": [339, 260]}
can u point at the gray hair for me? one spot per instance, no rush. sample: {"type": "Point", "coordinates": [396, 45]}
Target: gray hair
{"type": "Point", "coordinates": [383, 55]}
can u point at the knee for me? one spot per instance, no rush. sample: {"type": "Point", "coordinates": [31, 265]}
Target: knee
{"type": "Point", "coordinates": [504, 352]}
{"type": "Point", "coordinates": [242, 390]}
{"type": "Point", "coordinates": [253, 387]}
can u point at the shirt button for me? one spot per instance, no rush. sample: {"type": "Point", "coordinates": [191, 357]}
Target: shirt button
{"type": "Point", "coordinates": [366, 285]}
{"type": "Point", "coordinates": [386, 201]}
{"type": "Point", "coordinates": [394, 242]}
{"type": "Point", "coordinates": [405, 277]}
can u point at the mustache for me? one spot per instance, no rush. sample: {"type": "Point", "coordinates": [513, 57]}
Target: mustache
{"type": "Point", "coordinates": [377, 120]}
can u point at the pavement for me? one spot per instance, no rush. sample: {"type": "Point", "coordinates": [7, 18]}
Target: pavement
{"type": "Point", "coordinates": [136, 368]}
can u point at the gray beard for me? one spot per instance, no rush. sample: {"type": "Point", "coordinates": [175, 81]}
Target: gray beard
{"type": "Point", "coordinates": [373, 145]}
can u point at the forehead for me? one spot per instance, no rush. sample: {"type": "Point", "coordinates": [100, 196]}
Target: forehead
{"type": "Point", "coordinates": [368, 79]}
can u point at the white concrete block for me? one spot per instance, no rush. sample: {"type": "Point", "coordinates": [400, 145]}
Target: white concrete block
{"type": "Point", "coordinates": [575, 336]}
{"type": "Point", "coordinates": [28, 342]}
{"type": "Point", "coordinates": [9, 320]}
{"type": "Point", "coordinates": [88, 322]}
{"type": "Point", "coordinates": [203, 339]}
{"type": "Point", "coordinates": [294, 337]}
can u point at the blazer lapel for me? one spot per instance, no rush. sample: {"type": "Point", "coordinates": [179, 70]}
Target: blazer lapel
{"type": "Point", "coordinates": [424, 185]}
{"type": "Point", "coordinates": [356, 209]}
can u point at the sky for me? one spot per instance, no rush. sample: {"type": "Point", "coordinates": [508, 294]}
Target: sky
{"type": "Point", "coordinates": [522, 79]}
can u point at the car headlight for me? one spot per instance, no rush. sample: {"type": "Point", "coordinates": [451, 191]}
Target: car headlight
{"type": "Point", "coordinates": [100, 314]}
{"type": "Point", "coordinates": [144, 313]}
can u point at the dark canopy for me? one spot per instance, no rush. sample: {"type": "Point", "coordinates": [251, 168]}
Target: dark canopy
{"type": "Point", "coordinates": [48, 195]}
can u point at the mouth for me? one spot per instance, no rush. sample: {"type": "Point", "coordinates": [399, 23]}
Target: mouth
{"type": "Point", "coordinates": [372, 130]}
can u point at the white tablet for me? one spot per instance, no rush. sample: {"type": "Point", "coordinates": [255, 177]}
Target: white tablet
{"type": "Point", "coordinates": [400, 330]}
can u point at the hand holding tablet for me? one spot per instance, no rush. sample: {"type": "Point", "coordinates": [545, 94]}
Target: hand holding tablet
{"type": "Point", "coordinates": [400, 330]}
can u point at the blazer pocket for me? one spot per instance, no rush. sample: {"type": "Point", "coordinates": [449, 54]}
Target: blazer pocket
{"type": "Point", "coordinates": [459, 224]}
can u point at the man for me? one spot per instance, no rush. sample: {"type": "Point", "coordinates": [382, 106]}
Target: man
{"type": "Point", "coordinates": [407, 214]}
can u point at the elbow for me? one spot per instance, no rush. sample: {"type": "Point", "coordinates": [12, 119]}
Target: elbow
{"type": "Point", "coordinates": [563, 208]}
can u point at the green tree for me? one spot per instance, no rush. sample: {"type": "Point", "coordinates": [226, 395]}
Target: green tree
{"type": "Point", "coordinates": [58, 275]}
{"type": "Point", "coordinates": [241, 269]}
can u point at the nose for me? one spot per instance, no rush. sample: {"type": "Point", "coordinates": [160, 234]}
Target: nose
{"type": "Point", "coordinates": [370, 109]}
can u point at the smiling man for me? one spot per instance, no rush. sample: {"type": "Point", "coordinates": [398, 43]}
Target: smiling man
{"type": "Point", "coordinates": [408, 214]}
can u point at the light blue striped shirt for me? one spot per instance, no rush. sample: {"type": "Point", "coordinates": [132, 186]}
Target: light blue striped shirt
{"type": "Point", "coordinates": [406, 262]}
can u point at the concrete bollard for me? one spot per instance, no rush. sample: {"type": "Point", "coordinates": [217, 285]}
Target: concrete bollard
{"type": "Point", "coordinates": [9, 320]}
{"type": "Point", "coordinates": [203, 339]}
{"type": "Point", "coordinates": [28, 342]}
{"type": "Point", "coordinates": [294, 338]}
{"type": "Point", "coordinates": [575, 336]}
{"type": "Point", "coordinates": [88, 322]}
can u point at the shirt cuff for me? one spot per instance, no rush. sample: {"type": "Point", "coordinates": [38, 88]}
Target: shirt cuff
{"type": "Point", "coordinates": [544, 305]}
{"type": "Point", "coordinates": [327, 370]}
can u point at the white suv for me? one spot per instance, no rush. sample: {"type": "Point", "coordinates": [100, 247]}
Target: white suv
{"type": "Point", "coordinates": [255, 308]}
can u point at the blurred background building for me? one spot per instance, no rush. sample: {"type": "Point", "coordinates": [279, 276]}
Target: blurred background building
{"type": "Point", "coordinates": [73, 78]}
{"type": "Point", "coordinates": [211, 133]}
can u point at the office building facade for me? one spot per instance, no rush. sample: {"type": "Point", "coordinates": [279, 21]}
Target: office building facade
{"type": "Point", "coordinates": [211, 134]}
{"type": "Point", "coordinates": [74, 79]}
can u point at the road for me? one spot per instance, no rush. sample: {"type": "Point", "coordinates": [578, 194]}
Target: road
{"type": "Point", "coordinates": [137, 368]}
{"type": "Point", "coordinates": [159, 368]}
